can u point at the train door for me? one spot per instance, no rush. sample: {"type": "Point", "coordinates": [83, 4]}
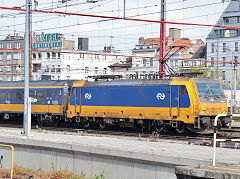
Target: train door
{"type": "Point", "coordinates": [49, 100]}
{"type": "Point", "coordinates": [175, 101]}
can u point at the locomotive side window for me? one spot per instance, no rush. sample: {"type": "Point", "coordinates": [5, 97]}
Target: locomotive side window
{"type": "Point", "coordinates": [40, 96]}
{"type": "Point", "coordinates": [2, 95]}
{"type": "Point", "coordinates": [74, 91]}
{"type": "Point", "coordinates": [10, 96]}
{"type": "Point", "coordinates": [19, 96]}
{"type": "Point", "coordinates": [182, 90]}
{"type": "Point", "coordinates": [56, 96]}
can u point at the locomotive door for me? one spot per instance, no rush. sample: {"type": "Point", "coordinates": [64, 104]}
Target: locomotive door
{"type": "Point", "coordinates": [175, 101]}
{"type": "Point", "coordinates": [49, 100]}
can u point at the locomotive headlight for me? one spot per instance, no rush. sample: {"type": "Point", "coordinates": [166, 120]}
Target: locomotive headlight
{"type": "Point", "coordinates": [223, 112]}
{"type": "Point", "coordinates": [203, 111]}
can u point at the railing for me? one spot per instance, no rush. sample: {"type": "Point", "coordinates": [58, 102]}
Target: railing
{"type": "Point", "coordinates": [10, 146]}
{"type": "Point", "coordinates": [215, 140]}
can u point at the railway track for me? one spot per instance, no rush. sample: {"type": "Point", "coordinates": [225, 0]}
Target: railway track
{"type": "Point", "coordinates": [169, 136]}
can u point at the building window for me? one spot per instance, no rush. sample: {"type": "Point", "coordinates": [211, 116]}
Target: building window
{"type": "Point", "coordinates": [39, 55]}
{"type": "Point", "coordinates": [81, 55]}
{"type": "Point", "coordinates": [236, 46]}
{"type": "Point", "coordinates": [9, 56]}
{"type": "Point", "coordinates": [96, 70]}
{"type": "Point", "coordinates": [18, 45]}
{"type": "Point", "coordinates": [47, 69]}
{"type": "Point", "coordinates": [86, 70]}
{"type": "Point", "coordinates": [59, 55]}
{"type": "Point", "coordinates": [9, 45]}
{"type": "Point", "coordinates": [144, 62]}
{"type": "Point", "coordinates": [1, 56]}
{"type": "Point", "coordinates": [1, 45]}
{"type": "Point", "coordinates": [68, 67]}
{"type": "Point", "coordinates": [224, 47]}
{"type": "Point", "coordinates": [34, 56]}
{"type": "Point", "coordinates": [105, 71]}
{"type": "Point", "coordinates": [212, 63]}
{"type": "Point", "coordinates": [212, 48]}
{"type": "Point", "coordinates": [53, 68]}
{"type": "Point", "coordinates": [224, 60]}
{"type": "Point", "coordinates": [16, 56]}
{"type": "Point", "coordinates": [235, 58]}
{"type": "Point", "coordinates": [151, 62]}
{"type": "Point", "coordinates": [53, 55]}
{"type": "Point", "coordinates": [9, 78]}
{"type": "Point", "coordinates": [58, 69]}
{"type": "Point", "coordinates": [48, 55]}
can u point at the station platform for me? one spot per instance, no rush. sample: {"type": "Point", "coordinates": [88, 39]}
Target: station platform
{"type": "Point", "coordinates": [121, 157]}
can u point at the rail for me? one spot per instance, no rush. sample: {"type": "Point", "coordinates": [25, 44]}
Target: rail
{"type": "Point", "coordinates": [10, 146]}
{"type": "Point", "coordinates": [215, 140]}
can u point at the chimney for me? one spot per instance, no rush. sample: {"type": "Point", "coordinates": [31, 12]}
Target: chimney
{"type": "Point", "coordinates": [175, 33]}
{"type": "Point", "coordinates": [141, 40]}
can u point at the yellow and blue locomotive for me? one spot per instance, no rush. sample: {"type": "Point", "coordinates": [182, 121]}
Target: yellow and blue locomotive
{"type": "Point", "coordinates": [175, 103]}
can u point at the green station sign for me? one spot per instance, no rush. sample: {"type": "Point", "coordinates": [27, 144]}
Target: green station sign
{"type": "Point", "coordinates": [47, 41]}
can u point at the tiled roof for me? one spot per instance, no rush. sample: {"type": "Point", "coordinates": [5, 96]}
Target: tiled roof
{"type": "Point", "coordinates": [183, 44]}
{"type": "Point", "coordinates": [152, 41]}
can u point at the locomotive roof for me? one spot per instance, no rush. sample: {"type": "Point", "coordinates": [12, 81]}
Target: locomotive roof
{"type": "Point", "coordinates": [132, 82]}
{"type": "Point", "coordinates": [35, 83]}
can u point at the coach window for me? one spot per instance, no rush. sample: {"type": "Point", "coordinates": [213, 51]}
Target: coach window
{"type": "Point", "coordinates": [182, 90]}
{"type": "Point", "coordinates": [31, 94]}
{"type": "Point", "coordinates": [19, 96]}
{"type": "Point", "coordinates": [2, 95]}
{"type": "Point", "coordinates": [40, 96]}
{"type": "Point", "coordinates": [10, 96]}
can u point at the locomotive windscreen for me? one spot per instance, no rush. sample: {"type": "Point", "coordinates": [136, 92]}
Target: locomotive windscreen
{"type": "Point", "coordinates": [209, 90]}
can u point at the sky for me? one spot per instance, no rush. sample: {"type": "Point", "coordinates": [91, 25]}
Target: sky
{"type": "Point", "coordinates": [123, 35]}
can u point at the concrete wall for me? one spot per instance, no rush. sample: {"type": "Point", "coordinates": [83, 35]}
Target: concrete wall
{"type": "Point", "coordinates": [89, 163]}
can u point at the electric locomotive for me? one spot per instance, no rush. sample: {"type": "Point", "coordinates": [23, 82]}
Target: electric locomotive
{"type": "Point", "coordinates": [176, 103]}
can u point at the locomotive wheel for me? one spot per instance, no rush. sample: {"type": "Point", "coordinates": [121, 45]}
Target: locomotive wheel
{"type": "Point", "coordinates": [86, 124]}
{"type": "Point", "coordinates": [181, 128]}
{"type": "Point", "coordinates": [102, 125]}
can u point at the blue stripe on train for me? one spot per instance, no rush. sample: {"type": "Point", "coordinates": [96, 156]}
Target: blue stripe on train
{"type": "Point", "coordinates": [131, 96]}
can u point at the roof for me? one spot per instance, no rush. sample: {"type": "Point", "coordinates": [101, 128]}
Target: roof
{"type": "Point", "coordinates": [122, 65]}
{"type": "Point", "coordinates": [152, 41]}
{"type": "Point", "coordinates": [181, 45]}
{"type": "Point", "coordinates": [232, 10]}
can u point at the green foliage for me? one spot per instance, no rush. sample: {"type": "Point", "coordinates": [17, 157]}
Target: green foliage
{"type": "Point", "coordinates": [40, 130]}
{"type": "Point", "coordinates": [209, 72]}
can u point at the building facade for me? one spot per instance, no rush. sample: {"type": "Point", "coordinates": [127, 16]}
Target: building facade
{"type": "Point", "coordinates": [223, 44]}
{"type": "Point", "coordinates": [12, 61]}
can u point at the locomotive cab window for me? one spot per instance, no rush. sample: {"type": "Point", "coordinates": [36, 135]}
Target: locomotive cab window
{"type": "Point", "coordinates": [2, 95]}
{"type": "Point", "coordinates": [10, 96]}
{"type": "Point", "coordinates": [40, 96]}
{"type": "Point", "coordinates": [182, 91]}
{"type": "Point", "coordinates": [19, 96]}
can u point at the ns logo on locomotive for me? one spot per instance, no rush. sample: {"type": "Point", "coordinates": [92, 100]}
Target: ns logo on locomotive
{"type": "Point", "coordinates": [177, 103]}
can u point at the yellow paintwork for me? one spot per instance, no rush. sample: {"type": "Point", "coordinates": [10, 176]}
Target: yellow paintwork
{"type": "Point", "coordinates": [79, 83]}
{"type": "Point", "coordinates": [35, 108]}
